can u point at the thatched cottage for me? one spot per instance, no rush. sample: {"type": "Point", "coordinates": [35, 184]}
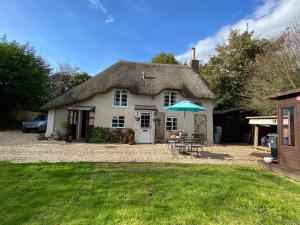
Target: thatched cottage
{"type": "Point", "coordinates": [134, 95]}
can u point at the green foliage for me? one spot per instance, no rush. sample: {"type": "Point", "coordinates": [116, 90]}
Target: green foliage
{"type": "Point", "coordinates": [227, 71]}
{"type": "Point", "coordinates": [79, 79]}
{"type": "Point", "coordinates": [276, 70]}
{"type": "Point", "coordinates": [165, 58]}
{"type": "Point", "coordinates": [109, 135]}
{"type": "Point", "coordinates": [64, 124]}
{"type": "Point", "coordinates": [42, 137]}
{"type": "Point", "coordinates": [145, 193]}
{"type": "Point", "coordinates": [99, 134]}
{"type": "Point", "coordinates": [24, 80]}
{"type": "Point", "coordinates": [67, 77]}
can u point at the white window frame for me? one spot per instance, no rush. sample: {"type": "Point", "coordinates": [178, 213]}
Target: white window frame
{"type": "Point", "coordinates": [172, 118]}
{"type": "Point", "coordinates": [169, 94]}
{"type": "Point", "coordinates": [118, 123]}
{"type": "Point", "coordinates": [122, 92]}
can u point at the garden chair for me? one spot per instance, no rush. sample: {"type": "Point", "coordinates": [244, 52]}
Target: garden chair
{"type": "Point", "coordinates": [181, 144]}
{"type": "Point", "coordinates": [196, 143]}
{"type": "Point", "coordinates": [172, 139]}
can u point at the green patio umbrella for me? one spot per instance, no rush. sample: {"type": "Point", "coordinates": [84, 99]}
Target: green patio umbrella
{"type": "Point", "coordinates": [186, 106]}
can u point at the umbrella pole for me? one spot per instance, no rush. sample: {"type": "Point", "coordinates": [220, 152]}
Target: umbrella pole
{"type": "Point", "coordinates": [184, 121]}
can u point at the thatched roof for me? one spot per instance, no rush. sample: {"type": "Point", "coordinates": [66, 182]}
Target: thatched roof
{"type": "Point", "coordinates": [140, 79]}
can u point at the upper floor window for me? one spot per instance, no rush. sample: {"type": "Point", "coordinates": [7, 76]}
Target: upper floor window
{"type": "Point", "coordinates": [169, 98]}
{"type": "Point", "coordinates": [120, 98]}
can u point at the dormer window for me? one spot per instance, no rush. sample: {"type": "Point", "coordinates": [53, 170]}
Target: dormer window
{"type": "Point", "coordinates": [169, 98]}
{"type": "Point", "coordinates": [120, 98]}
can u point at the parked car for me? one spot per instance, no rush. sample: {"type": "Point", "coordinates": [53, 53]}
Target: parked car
{"type": "Point", "coordinates": [37, 123]}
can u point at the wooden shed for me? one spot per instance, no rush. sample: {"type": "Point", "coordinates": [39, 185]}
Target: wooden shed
{"type": "Point", "coordinates": [288, 116]}
{"type": "Point", "coordinates": [262, 126]}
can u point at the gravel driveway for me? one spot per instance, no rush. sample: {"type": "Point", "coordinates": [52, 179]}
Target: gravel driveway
{"type": "Point", "coordinates": [18, 147]}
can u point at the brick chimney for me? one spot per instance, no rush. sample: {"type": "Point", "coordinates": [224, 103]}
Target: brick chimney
{"type": "Point", "coordinates": [194, 63]}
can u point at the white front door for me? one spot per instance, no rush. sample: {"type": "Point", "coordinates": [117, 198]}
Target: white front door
{"type": "Point", "coordinates": [144, 127]}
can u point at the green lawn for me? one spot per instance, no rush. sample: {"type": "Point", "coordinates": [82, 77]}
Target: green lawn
{"type": "Point", "coordinates": [135, 193]}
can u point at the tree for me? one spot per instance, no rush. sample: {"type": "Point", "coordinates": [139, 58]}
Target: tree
{"type": "Point", "coordinates": [276, 70]}
{"type": "Point", "coordinates": [79, 79]}
{"type": "Point", "coordinates": [227, 71]}
{"type": "Point", "coordinates": [67, 77]}
{"type": "Point", "coordinates": [165, 58]}
{"type": "Point", "coordinates": [24, 77]}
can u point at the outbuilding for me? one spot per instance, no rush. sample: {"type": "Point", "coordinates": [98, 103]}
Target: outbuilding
{"type": "Point", "coordinates": [288, 117]}
{"type": "Point", "coordinates": [262, 126]}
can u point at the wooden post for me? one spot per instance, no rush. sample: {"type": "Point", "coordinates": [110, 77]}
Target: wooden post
{"type": "Point", "coordinates": [289, 130]}
{"type": "Point", "coordinates": [256, 135]}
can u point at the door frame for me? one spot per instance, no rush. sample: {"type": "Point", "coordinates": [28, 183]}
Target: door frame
{"type": "Point", "coordinates": [138, 129]}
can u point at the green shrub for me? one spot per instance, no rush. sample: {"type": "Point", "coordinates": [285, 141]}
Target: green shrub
{"type": "Point", "coordinates": [42, 137]}
{"type": "Point", "coordinates": [109, 135]}
{"type": "Point", "coordinates": [98, 134]}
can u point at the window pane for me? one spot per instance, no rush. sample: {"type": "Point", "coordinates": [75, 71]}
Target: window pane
{"type": "Point", "coordinates": [117, 97]}
{"type": "Point", "coordinates": [120, 98]}
{"type": "Point", "coordinates": [288, 126]}
{"type": "Point", "coordinates": [174, 124]}
{"type": "Point", "coordinates": [118, 121]}
{"type": "Point", "coordinates": [145, 120]}
{"type": "Point", "coordinates": [173, 98]}
{"type": "Point", "coordinates": [171, 123]}
{"type": "Point", "coordinates": [166, 99]}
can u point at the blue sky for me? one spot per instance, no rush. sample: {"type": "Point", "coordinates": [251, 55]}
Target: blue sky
{"type": "Point", "coordinates": [93, 34]}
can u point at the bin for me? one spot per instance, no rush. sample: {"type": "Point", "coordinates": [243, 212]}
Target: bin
{"type": "Point", "coordinates": [273, 144]}
{"type": "Point", "coordinates": [217, 135]}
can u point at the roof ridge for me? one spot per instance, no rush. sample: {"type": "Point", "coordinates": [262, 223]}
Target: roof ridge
{"type": "Point", "coordinates": [155, 64]}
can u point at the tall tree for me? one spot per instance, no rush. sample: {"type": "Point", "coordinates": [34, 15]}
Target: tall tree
{"type": "Point", "coordinates": [79, 78]}
{"type": "Point", "coordinates": [227, 71]}
{"type": "Point", "coordinates": [276, 70]}
{"type": "Point", "coordinates": [67, 77]}
{"type": "Point", "coordinates": [24, 77]}
{"type": "Point", "coordinates": [165, 58]}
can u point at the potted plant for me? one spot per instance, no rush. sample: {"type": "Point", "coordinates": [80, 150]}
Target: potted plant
{"type": "Point", "coordinates": [157, 121]}
{"type": "Point", "coordinates": [137, 118]}
{"type": "Point", "coordinates": [65, 137]}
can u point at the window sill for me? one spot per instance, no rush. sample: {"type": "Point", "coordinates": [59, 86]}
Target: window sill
{"type": "Point", "coordinates": [120, 107]}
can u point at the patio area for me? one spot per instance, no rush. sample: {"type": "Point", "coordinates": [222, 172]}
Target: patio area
{"type": "Point", "coordinates": [24, 148]}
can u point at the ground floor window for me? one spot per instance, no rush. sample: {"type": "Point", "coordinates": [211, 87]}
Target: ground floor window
{"type": "Point", "coordinates": [171, 123]}
{"type": "Point", "coordinates": [118, 121]}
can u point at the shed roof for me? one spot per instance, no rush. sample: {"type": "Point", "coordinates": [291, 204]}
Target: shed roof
{"type": "Point", "coordinates": [262, 120]}
{"type": "Point", "coordinates": [140, 79]}
{"type": "Point", "coordinates": [286, 94]}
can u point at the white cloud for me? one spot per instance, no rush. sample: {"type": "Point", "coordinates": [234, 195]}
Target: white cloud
{"type": "Point", "coordinates": [269, 19]}
{"type": "Point", "coordinates": [109, 19]}
{"type": "Point", "coordinates": [97, 5]}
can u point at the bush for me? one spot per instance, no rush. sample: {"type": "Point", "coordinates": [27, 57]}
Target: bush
{"type": "Point", "coordinates": [98, 134]}
{"type": "Point", "coordinates": [42, 137]}
{"type": "Point", "coordinates": [110, 135]}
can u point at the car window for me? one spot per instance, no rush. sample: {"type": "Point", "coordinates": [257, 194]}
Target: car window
{"type": "Point", "coordinates": [40, 117]}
